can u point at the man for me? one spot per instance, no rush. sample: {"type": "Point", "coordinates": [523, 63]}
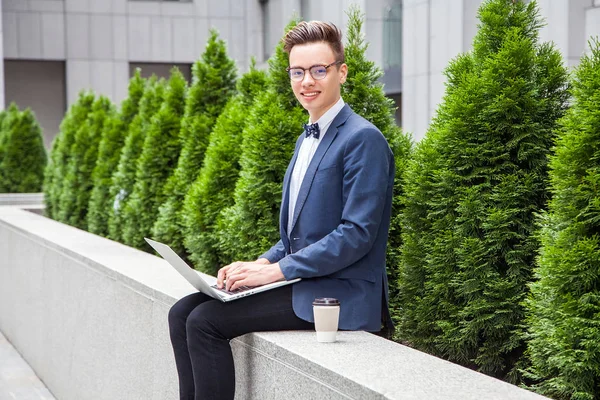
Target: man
{"type": "Point", "coordinates": [334, 222]}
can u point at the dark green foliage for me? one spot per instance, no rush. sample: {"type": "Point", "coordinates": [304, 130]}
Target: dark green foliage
{"type": "Point", "coordinates": [10, 121]}
{"type": "Point", "coordinates": [109, 151]}
{"type": "Point", "coordinates": [3, 135]}
{"type": "Point", "coordinates": [23, 156]}
{"type": "Point", "coordinates": [472, 191]}
{"type": "Point", "coordinates": [250, 226]}
{"type": "Point", "coordinates": [365, 95]}
{"type": "Point", "coordinates": [156, 163]}
{"type": "Point", "coordinates": [212, 191]}
{"type": "Point", "coordinates": [214, 84]}
{"type": "Point", "coordinates": [56, 170]}
{"type": "Point", "coordinates": [75, 195]}
{"type": "Point", "coordinates": [123, 178]}
{"type": "Point", "coordinates": [564, 307]}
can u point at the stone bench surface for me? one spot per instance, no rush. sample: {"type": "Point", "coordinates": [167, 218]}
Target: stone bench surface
{"type": "Point", "coordinates": [269, 365]}
{"type": "Point", "coordinates": [18, 199]}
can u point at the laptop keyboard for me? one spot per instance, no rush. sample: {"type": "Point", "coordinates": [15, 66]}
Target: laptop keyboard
{"type": "Point", "coordinates": [238, 290]}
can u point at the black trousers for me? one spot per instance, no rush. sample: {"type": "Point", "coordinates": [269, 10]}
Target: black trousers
{"type": "Point", "coordinates": [202, 327]}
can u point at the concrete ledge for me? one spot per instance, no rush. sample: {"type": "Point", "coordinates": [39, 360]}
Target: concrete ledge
{"type": "Point", "coordinates": [10, 199]}
{"type": "Point", "coordinates": [89, 315]}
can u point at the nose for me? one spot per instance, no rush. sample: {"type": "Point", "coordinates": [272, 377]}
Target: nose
{"type": "Point", "coordinates": [307, 80]}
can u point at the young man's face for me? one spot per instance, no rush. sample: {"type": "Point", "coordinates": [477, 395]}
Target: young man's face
{"type": "Point", "coordinates": [317, 96]}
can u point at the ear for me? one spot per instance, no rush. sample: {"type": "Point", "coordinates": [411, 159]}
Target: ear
{"type": "Point", "coordinates": [343, 73]}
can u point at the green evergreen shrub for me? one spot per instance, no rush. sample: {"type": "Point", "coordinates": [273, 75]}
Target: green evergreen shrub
{"type": "Point", "coordinates": [123, 178]}
{"type": "Point", "coordinates": [23, 158]}
{"type": "Point", "coordinates": [213, 190]}
{"type": "Point", "coordinates": [3, 114]}
{"type": "Point", "coordinates": [156, 163]}
{"type": "Point", "coordinates": [365, 95]}
{"type": "Point", "coordinates": [564, 306]}
{"type": "Point", "coordinates": [109, 151]}
{"type": "Point", "coordinates": [251, 225]}
{"type": "Point", "coordinates": [472, 193]}
{"type": "Point", "coordinates": [10, 121]}
{"type": "Point", "coordinates": [75, 195]}
{"type": "Point", "coordinates": [213, 85]}
{"type": "Point", "coordinates": [60, 155]}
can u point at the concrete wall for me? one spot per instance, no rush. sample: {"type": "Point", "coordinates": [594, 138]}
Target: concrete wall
{"type": "Point", "coordinates": [89, 315]}
{"type": "Point", "coordinates": [22, 199]}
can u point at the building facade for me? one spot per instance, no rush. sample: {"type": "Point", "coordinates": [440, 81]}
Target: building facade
{"type": "Point", "coordinates": [53, 49]}
{"type": "Point", "coordinates": [435, 31]}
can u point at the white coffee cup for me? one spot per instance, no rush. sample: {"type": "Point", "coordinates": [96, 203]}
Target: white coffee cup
{"type": "Point", "coordinates": [327, 314]}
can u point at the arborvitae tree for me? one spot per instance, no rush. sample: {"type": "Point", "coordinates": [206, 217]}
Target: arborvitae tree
{"type": "Point", "coordinates": [3, 115]}
{"type": "Point", "coordinates": [75, 196]}
{"type": "Point", "coordinates": [23, 155]}
{"type": "Point", "coordinates": [564, 308]}
{"type": "Point", "coordinates": [365, 95]}
{"type": "Point", "coordinates": [10, 121]}
{"type": "Point", "coordinates": [156, 163]}
{"type": "Point", "coordinates": [56, 170]}
{"type": "Point", "coordinates": [123, 179]}
{"type": "Point", "coordinates": [212, 191]}
{"type": "Point", "coordinates": [472, 193]}
{"type": "Point", "coordinates": [109, 152]}
{"type": "Point", "coordinates": [251, 225]}
{"type": "Point", "coordinates": [213, 85]}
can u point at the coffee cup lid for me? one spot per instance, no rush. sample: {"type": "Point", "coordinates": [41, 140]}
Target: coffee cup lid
{"type": "Point", "coordinates": [326, 301]}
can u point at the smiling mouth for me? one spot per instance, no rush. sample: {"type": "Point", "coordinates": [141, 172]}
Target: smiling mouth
{"type": "Point", "coordinates": [310, 94]}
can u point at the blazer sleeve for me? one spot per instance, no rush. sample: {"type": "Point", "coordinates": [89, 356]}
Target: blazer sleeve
{"type": "Point", "coordinates": [367, 159]}
{"type": "Point", "coordinates": [275, 253]}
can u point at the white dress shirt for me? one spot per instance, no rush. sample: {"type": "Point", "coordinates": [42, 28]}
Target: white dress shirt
{"type": "Point", "coordinates": [305, 154]}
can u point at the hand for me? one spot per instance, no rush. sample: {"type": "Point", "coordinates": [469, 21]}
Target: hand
{"type": "Point", "coordinates": [228, 269]}
{"type": "Point", "coordinates": [250, 274]}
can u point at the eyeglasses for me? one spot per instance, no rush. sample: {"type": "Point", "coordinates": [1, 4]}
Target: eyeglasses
{"type": "Point", "coordinates": [317, 72]}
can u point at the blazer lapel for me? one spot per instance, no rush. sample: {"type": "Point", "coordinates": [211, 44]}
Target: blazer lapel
{"type": "Point", "coordinates": [316, 160]}
{"type": "Point", "coordinates": [285, 203]}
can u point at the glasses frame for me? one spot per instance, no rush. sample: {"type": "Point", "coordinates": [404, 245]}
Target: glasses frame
{"type": "Point", "coordinates": [289, 70]}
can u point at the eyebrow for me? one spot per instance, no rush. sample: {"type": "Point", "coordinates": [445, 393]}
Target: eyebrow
{"type": "Point", "coordinates": [314, 65]}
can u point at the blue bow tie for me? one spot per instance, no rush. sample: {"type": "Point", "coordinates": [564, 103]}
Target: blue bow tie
{"type": "Point", "coordinates": [312, 130]}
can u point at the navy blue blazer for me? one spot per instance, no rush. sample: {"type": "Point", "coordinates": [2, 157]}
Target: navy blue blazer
{"type": "Point", "coordinates": [339, 234]}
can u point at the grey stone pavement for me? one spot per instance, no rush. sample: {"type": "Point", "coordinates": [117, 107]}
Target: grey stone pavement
{"type": "Point", "coordinates": [17, 380]}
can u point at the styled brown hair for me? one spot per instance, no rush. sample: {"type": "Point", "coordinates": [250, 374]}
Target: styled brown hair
{"type": "Point", "coordinates": [315, 31]}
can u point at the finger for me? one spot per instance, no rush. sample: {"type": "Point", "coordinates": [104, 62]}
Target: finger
{"type": "Point", "coordinates": [224, 272]}
{"type": "Point", "coordinates": [237, 284]}
{"type": "Point", "coordinates": [220, 277]}
{"type": "Point", "coordinates": [235, 277]}
{"type": "Point", "coordinates": [230, 281]}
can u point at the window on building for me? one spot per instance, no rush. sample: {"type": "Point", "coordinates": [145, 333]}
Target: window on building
{"type": "Point", "coordinates": [41, 86]}
{"type": "Point", "coordinates": [305, 10]}
{"type": "Point", "coordinates": [266, 28]}
{"type": "Point", "coordinates": [392, 35]}
{"type": "Point", "coordinates": [162, 70]}
{"type": "Point", "coordinates": [392, 54]}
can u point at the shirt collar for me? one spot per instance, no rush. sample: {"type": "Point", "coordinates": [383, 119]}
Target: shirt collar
{"type": "Point", "coordinates": [328, 117]}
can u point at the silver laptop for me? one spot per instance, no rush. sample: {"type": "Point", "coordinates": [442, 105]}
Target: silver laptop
{"type": "Point", "coordinates": [197, 281]}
